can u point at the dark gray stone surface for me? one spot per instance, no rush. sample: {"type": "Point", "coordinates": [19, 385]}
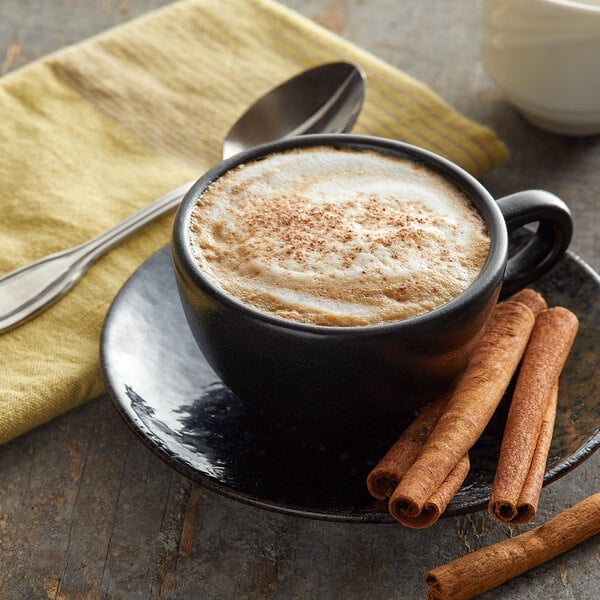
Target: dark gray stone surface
{"type": "Point", "coordinates": [86, 511]}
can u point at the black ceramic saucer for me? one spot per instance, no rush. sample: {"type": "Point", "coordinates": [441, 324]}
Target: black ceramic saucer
{"type": "Point", "coordinates": [164, 389]}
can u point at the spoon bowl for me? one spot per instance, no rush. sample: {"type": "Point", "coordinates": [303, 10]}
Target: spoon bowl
{"type": "Point", "coordinates": [324, 99]}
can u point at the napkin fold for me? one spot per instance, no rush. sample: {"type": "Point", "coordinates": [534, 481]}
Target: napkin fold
{"type": "Point", "coordinates": [97, 130]}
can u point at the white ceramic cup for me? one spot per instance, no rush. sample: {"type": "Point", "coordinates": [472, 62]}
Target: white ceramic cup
{"type": "Point", "coordinates": [545, 56]}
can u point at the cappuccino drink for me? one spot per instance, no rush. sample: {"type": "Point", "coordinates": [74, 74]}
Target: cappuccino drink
{"type": "Point", "coordinates": [338, 237]}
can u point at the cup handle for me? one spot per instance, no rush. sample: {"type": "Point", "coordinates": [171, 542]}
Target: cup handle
{"type": "Point", "coordinates": [546, 246]}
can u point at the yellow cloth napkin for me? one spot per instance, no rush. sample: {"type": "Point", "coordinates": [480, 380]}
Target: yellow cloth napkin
{"type": "Point", "coordinates": [97, 130]}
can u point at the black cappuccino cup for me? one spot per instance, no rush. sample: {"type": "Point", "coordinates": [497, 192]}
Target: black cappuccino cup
{"type": "Point", "coordinates": [341, 376]}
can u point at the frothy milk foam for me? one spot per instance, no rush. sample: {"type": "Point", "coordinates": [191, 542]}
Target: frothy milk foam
{"type": "Point", "coordinates": [338, 237]}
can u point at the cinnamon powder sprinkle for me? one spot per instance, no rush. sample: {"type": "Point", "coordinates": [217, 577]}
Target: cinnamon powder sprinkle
{"type": "Point", "coordinates": [338, 237]}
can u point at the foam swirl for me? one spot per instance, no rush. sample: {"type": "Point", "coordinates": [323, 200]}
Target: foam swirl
{"type": "Point", "coordinates": [338, 237]}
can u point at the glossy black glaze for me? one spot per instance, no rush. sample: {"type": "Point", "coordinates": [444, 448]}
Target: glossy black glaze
{"type": "Point", "coordinates": [549, 242]}
{"type": "Point", "coordinates": [165, 390]}
{"type": "Point", "coordinates": [342, 377]}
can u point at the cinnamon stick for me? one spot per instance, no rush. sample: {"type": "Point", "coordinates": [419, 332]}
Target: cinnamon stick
{"type": "Point", "coordinates": [530, 494]}
{"type": "Point", "coordinates": [486, 568]}
{"type": "Point", "coordinates": [531, 298]}
{"type": "Point", "coordinates": [474, 399]}
{"type": "Point", "coordinates": [387, 473]}
{"type": "Point", "coordinates": [517, 482]}
{"type": "Point", "coordinates": [437, 502]}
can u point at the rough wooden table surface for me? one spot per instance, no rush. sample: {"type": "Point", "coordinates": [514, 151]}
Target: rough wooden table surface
{"type": "Point", "coordinates": [87, 512]}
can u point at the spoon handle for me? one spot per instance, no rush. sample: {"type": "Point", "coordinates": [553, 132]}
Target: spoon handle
{"type": "Point", "coordinates": [31, 288]}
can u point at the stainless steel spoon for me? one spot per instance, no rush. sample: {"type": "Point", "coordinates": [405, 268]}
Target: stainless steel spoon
{"type": "Point", "coordinates": [325, 99]}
